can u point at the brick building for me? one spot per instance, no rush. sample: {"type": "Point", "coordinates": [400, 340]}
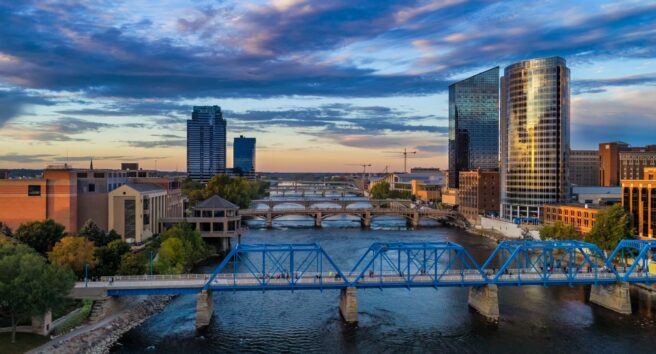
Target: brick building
{"type": "Point", "coordinates": [478, 193]}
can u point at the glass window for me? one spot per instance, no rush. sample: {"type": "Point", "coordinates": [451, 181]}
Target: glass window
{"type": "Point", "coordinates": [33, 190]}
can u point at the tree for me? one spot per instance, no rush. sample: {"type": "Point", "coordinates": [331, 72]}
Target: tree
{"type": "Point", "coordinates": [237, 190]}
{"type": "Point", "coordinates": [132, 264]}
{"type": "Point", "coordinates": [40, 235]}
{"type": "Point", "coordinates": [5, 230]}
{"type": "Point", "coordinates": [98, 236]}
{"type": "Point", "coordinates": [108, 258]}
{"type": "Point", "coordinates": [75, 252]}
{"type": "Point", "coordinates": [28, 285]}
{"type": "Point", "coordinates": [559, 231]}
{"type": "Point", "coordinates": [181, 247]}
{"type": "Point", "coordinates": [380, 190]}
{"type": "Point", "coordinates": [611, 225]}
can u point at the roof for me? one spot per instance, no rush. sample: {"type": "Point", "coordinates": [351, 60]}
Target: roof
{"type": "Point", "coordinates": [145, 187]}
{"type": "Point", "coordinates": [216, 202]}
{"type": "Point", "coordinates": [596, 190]}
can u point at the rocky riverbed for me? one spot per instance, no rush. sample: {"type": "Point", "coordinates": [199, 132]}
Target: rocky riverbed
{"type": "Point", "coordinates": [100, 337]}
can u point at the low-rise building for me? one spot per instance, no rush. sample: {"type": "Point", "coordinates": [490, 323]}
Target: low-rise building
{"type": "Point", "coordinates": [581, 216]}
{"type": "Point", "coordinates": [53, 196]}
{"type": "Point", "coordinates": [135, 211]}
{"type": "Point", "coordinates": [424, 186]}
{"type": "Point", "coordinates": [478, 194]}
{"type": "Point", "coordinates": [634, 161]}
{"type": "Point", "coordinates": [597, 195]}
{"type": "Point", "coordinates": [639, 199]}
{"type": "Point", "coordinates": [217, 220]}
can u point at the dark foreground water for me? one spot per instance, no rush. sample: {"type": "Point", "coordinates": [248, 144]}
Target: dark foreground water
{"type": "Point", "coordinates": [533, 319]}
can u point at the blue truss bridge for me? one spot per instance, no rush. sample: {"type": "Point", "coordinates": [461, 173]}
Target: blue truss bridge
{"type": "Point", "coordinates": [296, 267]}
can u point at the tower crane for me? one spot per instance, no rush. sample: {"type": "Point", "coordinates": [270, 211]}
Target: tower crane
{"type": "Point", "coordinates": [405, 153]}
{"type": "Point", "coordinates": [364, 171]}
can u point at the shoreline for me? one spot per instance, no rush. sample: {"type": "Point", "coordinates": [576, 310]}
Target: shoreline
{"type": "Point", "coordinates": [100, 337]}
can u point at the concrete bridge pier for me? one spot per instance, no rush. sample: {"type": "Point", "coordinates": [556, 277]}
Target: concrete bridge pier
{"type": "Point", "coordinates": [348, 304]}
{"type": "Point", "coordinates": [269, 220]}
{"type": "Point", "coordinates": [365, 222]}
{"type": "Point", "coordinates": [204, 309]}
{"type": "Point", "coordinates": [614, 297]}
{"type": "Point", "coordinates": [317, 219]}
{"type": "Point", "coordinates": [42, 324]}
{"type": "Point", "coordinates": [413, 221]}
{"type": "Point", "coordinates": [485, 300]}
{"type": "Point", "coordinates": [104, 307]}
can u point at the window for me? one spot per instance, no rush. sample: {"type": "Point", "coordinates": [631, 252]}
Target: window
{"type": "Point", "coordinates": [146, 204]}
{"type": "Point", "coordinates": [92, 187]}
{"type": "Point", "coordinates": [146, 219]}
{"type": "Point", "coordinates": [81, 175]}
{"type": "Point", "coordinates": [33, 190]}
{"type": "Point", "coordinates": [99, 175]}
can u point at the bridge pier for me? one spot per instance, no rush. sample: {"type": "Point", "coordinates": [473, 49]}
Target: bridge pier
{"type": "Point", "coordinates": [317, 219]}
{"type": "Point", "coordinates": [269, 220]}
{"type": "Point", "coordinates": [614, 297]}
{"type": "Point", "coordinates": [485, 300]}
{"type": "Point", "coordinates": [413, 221]}
{"type": "Point", "coordinates": [348, 304]}
{"type": "Point", "coordinates": [365, 222]}
{"type": "Point", "coordinates": [204, 309]}
{"type": "Point", "coordinates": [103, 308]}
{"type": "Point", "coordinates": [42, 324]}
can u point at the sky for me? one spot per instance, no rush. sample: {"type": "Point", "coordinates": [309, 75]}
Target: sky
{"type": "Point", "coordinates": [322, 85]}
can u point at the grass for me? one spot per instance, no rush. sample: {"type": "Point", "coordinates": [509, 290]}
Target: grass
{"type": "Point", "coordinates": [75, 320]}
{"type": "Point", "coordinates": [24, 342]}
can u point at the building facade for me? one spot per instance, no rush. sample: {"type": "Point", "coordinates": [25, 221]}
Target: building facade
{"type": "Point", "coordinates": [584, 168]}
{"type": "Point", "coordinates": [135, 211]}
{"type": "Point", "coordinates": [536, 119]}
{"type": "Point", "coordinates": [634, 160]}
{"type": "Point", "coordinates": [478, 194]}
{"type": "Point", "coordinates": [244, 156]}
{"type": "Point", "coordinates": [424, 186]}
{"type": "Point", "coordinates": [474, 124]}
{"type": "Point", "coordinates": [206, 143]}
{"type": "Point", "coordinates": [580, 216]}
{"type": "Point", "coordinates": [609, 163]}
{"type": "Point", "coordinates": [54, 196]}
{"type": "Point", "coordinates": [639, 200]}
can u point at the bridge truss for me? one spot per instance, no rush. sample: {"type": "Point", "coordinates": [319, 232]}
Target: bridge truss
{"type": "Point", "coordinates": [633, 257]}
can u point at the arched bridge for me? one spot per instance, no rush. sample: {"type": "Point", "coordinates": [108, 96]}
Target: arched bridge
{"type": "Point", "coordinates": [313, 187]}
{"type": "Point", "coordinates": [405, 265]}
{"type": "Point", "coordinates": [366, 215]}
{"type": "Point", "coordinates": [341, 203]}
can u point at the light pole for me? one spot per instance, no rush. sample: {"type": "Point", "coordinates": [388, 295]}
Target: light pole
{"type": "Point", "coordinates": [86, 275]}
{"type": "Point", "coordinates": [151, 262]}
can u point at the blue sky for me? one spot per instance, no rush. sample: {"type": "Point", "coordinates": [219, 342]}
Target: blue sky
{"type": "Point", "coordinates": [321, 84]}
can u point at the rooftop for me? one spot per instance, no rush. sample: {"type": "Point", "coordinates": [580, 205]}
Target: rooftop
{"type": "Point", "coordinates": [145, 187]}
{"type": "Point", "coordinates": [216, 202]}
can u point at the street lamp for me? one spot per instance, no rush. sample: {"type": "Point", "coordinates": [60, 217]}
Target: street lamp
{"type": "Point", "coordinates": [86, 275]}
{"type": "Point", "coordinates": [151, 262]}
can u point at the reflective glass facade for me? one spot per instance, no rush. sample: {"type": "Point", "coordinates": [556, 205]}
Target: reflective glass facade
{"type": "Point", "coordinates": [244, 155]}
{"type": "Point", "coordinates": [206, 143]}
{"type": "Point", "coordinates": [536, 144]}
{"type": "Point", "coordinates": [474, 124]}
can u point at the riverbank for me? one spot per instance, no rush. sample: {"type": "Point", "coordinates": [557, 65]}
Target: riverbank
{"type": "Point", "coordinates": [99, 337]}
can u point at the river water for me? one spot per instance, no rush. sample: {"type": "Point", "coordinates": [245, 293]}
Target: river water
{"type": "Point", "coordinates": [533, 319]}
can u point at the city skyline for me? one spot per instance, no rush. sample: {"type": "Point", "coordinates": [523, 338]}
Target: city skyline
{"type": "Point", "coordinates": [118, 83]}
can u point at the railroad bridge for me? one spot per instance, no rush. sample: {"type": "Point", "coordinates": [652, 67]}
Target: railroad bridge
{"type": "Point", "coordinates": [301, 267]}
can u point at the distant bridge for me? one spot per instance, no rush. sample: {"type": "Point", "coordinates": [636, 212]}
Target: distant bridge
{"type": "Point", "coordinates": [313, 187]}
{"type": "Point", "coordinates": [366, 215]}
{"type": "Point", "coordinates": [404, 265]}
{"type": "Point", "coordinates": [343, 203]}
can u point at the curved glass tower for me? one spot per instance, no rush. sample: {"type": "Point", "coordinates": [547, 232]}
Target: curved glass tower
{"type": "Point", "coordinates": [206, 143]}
{"type": "Point", "coordinates": [535, 136]}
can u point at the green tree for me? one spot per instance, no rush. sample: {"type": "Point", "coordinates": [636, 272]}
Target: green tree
{"type": "Point", "coordinates": [611, 225]}
{"type": "Point", "coordinates": [132, 264]}
{"type": "Point", "coordinates": [108, 258]}
{"type": "Point", "coordinates": [28, 285]}
{"type": "Point", "coordinates": [380, 190]}
{"type": "Point", "coordinates": [98, 236]}
{"type": "Point", "coordinates": [181, 247]}
{"type": "Point", "coordinates": [5, 230]}
{"type": "Point", "coordinates": [40, 235]}
{"type": "Point", "coordinates": [559, 231]}
{"type": "Point", "coordinates": [75, 252]}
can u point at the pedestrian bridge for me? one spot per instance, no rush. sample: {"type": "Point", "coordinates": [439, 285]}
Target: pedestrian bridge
{"type": "Point", "coordinates": [296, 267]}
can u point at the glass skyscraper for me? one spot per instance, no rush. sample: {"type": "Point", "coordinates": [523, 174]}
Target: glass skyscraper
{"type": "Point", "coordinates": [474, 124]}
{"type": "Point", "coordinates": [535, 127]}
{"type": "Point", "coordinates": [206, 143]}
{"type": "Point", "coordinates": [244, 155]}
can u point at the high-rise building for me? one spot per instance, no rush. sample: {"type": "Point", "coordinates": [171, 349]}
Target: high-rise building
{"type": "Point", "coordinates": [536, 116]}
{"type": "Point", "coordinates": [206, 143]}
{"type": "Point", "coordinates": [474, 124]}
{"type": "Point", "coordinates": [584, 168]}
{"type": "Point", "coordinates": [244, 156]}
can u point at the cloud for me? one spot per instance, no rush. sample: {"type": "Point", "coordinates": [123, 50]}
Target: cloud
{"type": "Point", "coordinates": [60, 129]}
{"type": "Point", "coordinates": [14, 102]}
{"type": "Point", "coordinates": [44, 158]}
{"type": "Point", "coordinates": [600, 85]}
{"type": "Point", "coordinates": [166, 143]}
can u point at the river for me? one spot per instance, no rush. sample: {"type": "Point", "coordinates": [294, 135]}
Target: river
{"type": "Point", "coordinates": [532, 319]}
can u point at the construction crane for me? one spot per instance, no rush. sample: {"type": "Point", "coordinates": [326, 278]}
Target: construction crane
{"type": "Point", "coordinates": [364, 171]}
{"type": "Point", "coordinates": [405, 153]}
